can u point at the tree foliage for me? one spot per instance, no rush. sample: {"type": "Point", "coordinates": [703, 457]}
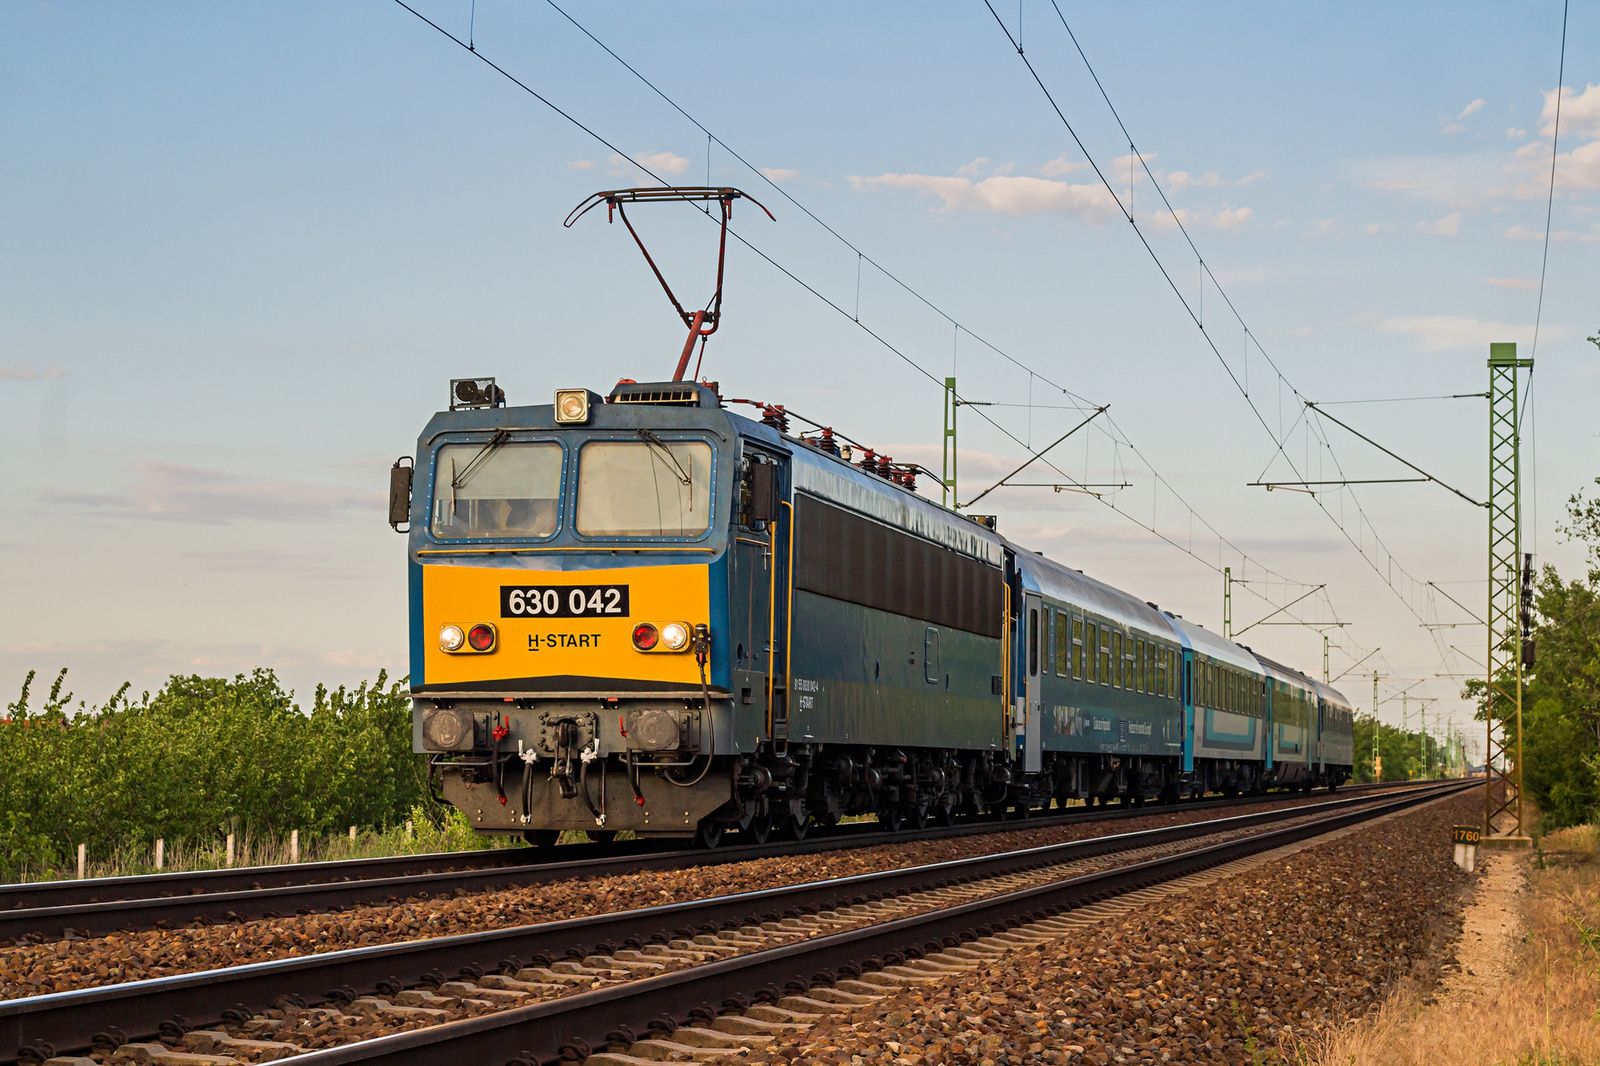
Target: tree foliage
{"type": "Point", "coordinates": [204, 756]}
{"type": "Point", "coordinates": [1561, 693]}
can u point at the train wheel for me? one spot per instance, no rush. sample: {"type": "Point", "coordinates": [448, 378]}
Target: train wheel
{"type": "Point", "coordinates": [891, 820]}
{"type": "Point", "coordinates": [797, 827]}
{"type": "Point", "coordinates": [919, 818]}
{"type": "Point", "coordinates": [944, 816]}
{"type": "Point", "coordinates": [542, 838]}
{"type": "Point", "coordinates": [707, 835]}
{"type": "Point", "coordinates": [601, 836]}
{"type": "Point", "coordinates": [760, 829]}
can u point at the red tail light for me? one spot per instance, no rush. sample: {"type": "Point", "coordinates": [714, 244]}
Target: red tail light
{"type": "Point", "coordinates": [481, 637]}
{"type": "Point", "coordinates": [645, 636]}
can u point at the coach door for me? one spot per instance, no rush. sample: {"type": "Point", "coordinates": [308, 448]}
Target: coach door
{"type": "Point", "coordinates": [1032, 723]}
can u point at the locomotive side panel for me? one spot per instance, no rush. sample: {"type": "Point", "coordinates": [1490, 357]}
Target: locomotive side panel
{"type": "Point", "coordinates": [897, 640]}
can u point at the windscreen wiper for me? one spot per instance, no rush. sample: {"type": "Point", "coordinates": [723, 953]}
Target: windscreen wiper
{"type": "Point", "coordinates": [499, 438]}
{"type": "Point", "coordinates": [661, 445]}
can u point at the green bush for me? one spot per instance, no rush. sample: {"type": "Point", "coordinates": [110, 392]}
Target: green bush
{"type": "Point", "coordinates": [202, 758]}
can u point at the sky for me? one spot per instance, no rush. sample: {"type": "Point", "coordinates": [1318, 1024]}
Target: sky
{"type": "Point", "coordinates": [244, 247]}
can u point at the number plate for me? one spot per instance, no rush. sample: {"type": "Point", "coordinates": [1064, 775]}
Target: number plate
{"type": "Point", "coordinates": [563, 601]}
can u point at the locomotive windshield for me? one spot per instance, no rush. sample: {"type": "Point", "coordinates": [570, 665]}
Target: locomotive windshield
{"type": "Point", "coordinates": [645, 488]}
{"type": "Point", "coordinates": [497, 489]}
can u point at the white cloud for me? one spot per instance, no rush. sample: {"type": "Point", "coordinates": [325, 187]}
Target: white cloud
{"type": "Point", "coordinates": [1231, 219]}
{"type": "Point", "coordinates": [1523, 233]}
{"type": "Point", "coordinates": [1438, 333]}
{"type": "Point", "coordinates": [1457, 181]}
{"type": "Point", "coordinates": [1303, 331]}
{"type": "Point", "coordinates": [1056, 167]}
{"type": "Point", "coordinates": [581, 164]}
{"type": "Point", "coordinates": [1376, 227]}
{"type": "Point", "coordinates": [778, 174]}
{"type": "Point", "coordinates": [1227, 219]}
{"type": "Point", "coordinates": [1513, 132]}
{"type": "Point", "coordinates": [168, 492]}
{"type": "Point", "coordinates": [1327, 227]}
{"type": "Point", "coordinates": [656, 162]}
{"type": "Point", "coordinates": [1513, 283]}
{"type": "Point", "coordinates": [1579, 168]}
{"type": "Point", "coordinates": [28, 373]}
{"type": "Point", "coordinates": [1454, 127]}
{"type": "Point", "coordinates": [1002, 194]}
{"type": "Point", "coordinates": [972, 169]}
{"type": "Point", "coordinates": [1471, 109]}
{"type": "Point", "coordinates": [1580, 112]}
{"type": "Point", "coordinates": [1448, 226]}
{"type": "Point", "coordinates": [1179, 180]}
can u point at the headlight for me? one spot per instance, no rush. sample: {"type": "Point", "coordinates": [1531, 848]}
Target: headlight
{"type": "Point", "coordinates": [572, 406]}
{"type": "Point", "coordinates": [675, 635]}
{"type": "Point", "coordinates": [481, 637]}
{"type": "Point", "coordinates": [451, 638]}
{"type": "Point", "coordinates": [645, 636]}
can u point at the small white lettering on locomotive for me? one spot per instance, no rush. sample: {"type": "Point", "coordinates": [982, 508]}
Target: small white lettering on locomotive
{"type": "Point", "coordinates": [552, 641]}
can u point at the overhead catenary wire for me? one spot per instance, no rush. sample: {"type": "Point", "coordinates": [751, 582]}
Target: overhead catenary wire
{"type": "Point", "coordinates": [1119, 438]}
{"type": "Point", "coordinates": [1384, 573]}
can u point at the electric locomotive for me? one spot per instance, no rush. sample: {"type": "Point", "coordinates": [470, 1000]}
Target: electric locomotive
{"type": "Point", "coordinates": [645, 611]}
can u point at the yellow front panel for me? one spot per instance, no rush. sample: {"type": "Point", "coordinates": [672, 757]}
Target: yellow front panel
{"type": "Point", "coordinates": [599, 647]}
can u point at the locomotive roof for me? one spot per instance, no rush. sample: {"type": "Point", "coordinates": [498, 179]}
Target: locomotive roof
{"type": "Point", "coordinates": [1216, 646]}
{"type": "Point", "coordinates": [830, 478]}
{"type": "Point", "coordinates": [1043, 574]}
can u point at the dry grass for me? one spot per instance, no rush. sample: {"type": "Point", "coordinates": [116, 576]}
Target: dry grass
{"type": "Point", "coordinates": [1548, 1014]}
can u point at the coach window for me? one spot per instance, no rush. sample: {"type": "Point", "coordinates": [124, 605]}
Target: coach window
{"type": "Point", "coordinates": [1077, 647]}
{"type": "Point", "coordinates": [1063, 645]}
{"type": "Point", "coordinates": [1105, 656]}
{"type": "Point", "coordinates": [1049, 637]}
{"type": "Point", "coordinates": [1117, 678]}
{"type": "Point", "coordinates": [1033, 641]}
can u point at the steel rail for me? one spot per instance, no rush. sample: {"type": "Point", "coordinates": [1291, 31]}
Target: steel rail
{"type": "Point", "coordinates": [539, 1033]}
{"type": "Point", "coordinates": [106, 904]}
{"type": "Point", "coordinates": [69, 1020]}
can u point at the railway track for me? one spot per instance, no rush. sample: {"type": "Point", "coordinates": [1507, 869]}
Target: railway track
{"type": "Point", "coordinates": [674, 960]}
{"type": "Point", "coordinates": [90, 907]}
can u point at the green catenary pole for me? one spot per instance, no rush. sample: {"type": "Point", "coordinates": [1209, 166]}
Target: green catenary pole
{"type": "Point", "coordinates": [951, 402]}
{"type": "Point", "coordinates": [1502, 795]}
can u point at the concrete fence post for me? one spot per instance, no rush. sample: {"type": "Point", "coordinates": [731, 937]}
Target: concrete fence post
{"type": "Point", "coordinates": [83, 861]}
{"type": "Point", "coordinates": [230, 849]}
{"type": "Point", "coordinates": [161, 853]}
{"type": "Point", "coordinates": [294, 845]}
{"type": "Point", "coordinates": [408, 829]}
{"type": "Point", "coordinates": [352, 834]}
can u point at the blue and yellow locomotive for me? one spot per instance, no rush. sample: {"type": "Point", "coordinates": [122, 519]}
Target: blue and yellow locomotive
{"type": "Point", "coordinates": [644, 611]}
